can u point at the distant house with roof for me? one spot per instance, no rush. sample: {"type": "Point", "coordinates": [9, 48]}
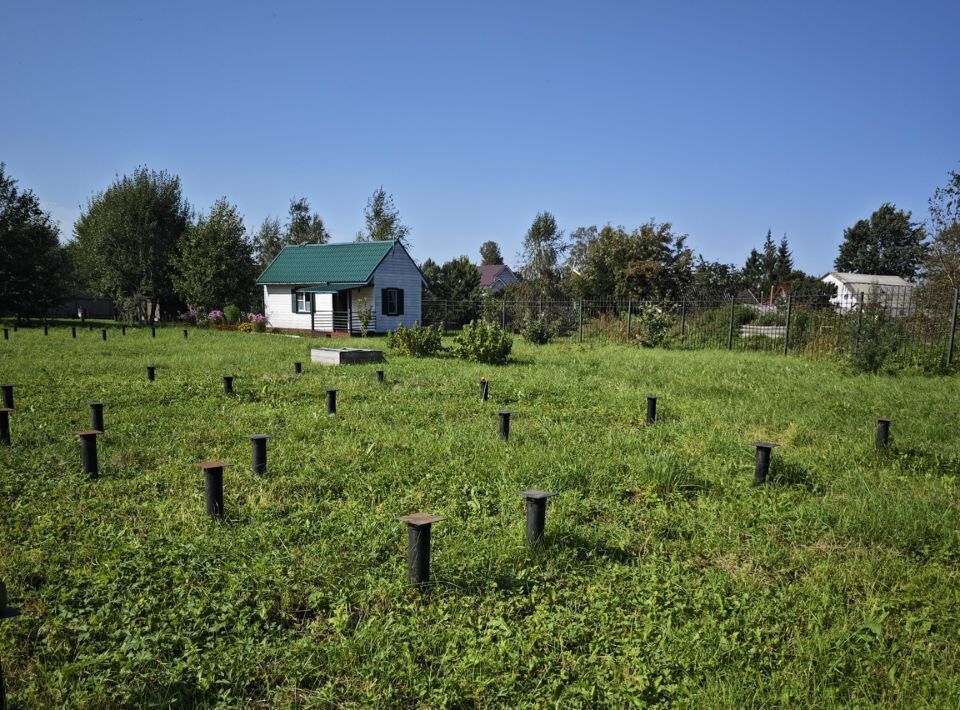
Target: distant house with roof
{"type": "Point", "coordinates": [496, 277]}
{"type": "Point", "coordinates": [892, 293]}
{"type": "Point", "coordinates": [324, 287]}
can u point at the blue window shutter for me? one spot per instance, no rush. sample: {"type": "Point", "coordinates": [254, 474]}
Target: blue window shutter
{"type": "Point", "coordinates": [293, 295]}
{"type": "Point", "coordinates": [399, 301]}
{"type": "Point", "coordinates": [383, 301]}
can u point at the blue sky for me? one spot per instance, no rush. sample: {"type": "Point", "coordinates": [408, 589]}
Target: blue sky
{"type": "Point", "coordinates": [725, 119]}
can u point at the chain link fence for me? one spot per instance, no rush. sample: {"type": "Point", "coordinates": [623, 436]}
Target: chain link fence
{"type": "Point", "coordinates": [894, 324]}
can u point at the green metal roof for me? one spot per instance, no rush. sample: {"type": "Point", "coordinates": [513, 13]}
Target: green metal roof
{"type": "Point", "coordinates": [353, 262]}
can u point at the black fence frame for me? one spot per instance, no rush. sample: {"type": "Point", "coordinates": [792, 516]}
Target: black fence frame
{"type": "Point", "coordinates": [916, 330]}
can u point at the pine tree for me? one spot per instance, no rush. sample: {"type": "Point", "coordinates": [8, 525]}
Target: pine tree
{"type": "Point", "coordinates": [769, 260]}
{"type": "Point", "coordinates": [753, 274]}
{"type": "Point", "coordinates": [784, 270]}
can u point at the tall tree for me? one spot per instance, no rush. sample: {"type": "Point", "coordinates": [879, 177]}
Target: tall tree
{"type": "Point", "coordinates": [888, 243]}
{"type": "Point", "coordinates": [713, 279]}
{"type": "Point", "coordinates": [383, 220]}
{"type": "Point", "coordinates": [784, 269]}
{"type": "Point", "coordinates": [127, 235]}
{"type": "Point", "coordinates": [941, 268]}
{"type": "Point", "coordinates": [215, 265]}
{"type": "Point", "coordinates": [768, 263]}
{"type": "Point", "coordinates": [304, 227]}
{"type": "Point", "coordinates": [543, 248]}
{"type": "Point", "coordinates": [457, 283]}
{"type": "Point", "coordinates": [764, 271]}
{"type": "Point", "coordinates": [431, 272]}
{"type": "Point", "coordinates": [459, 280]}
{"type": "Point", "coordinates": [33, 266]}
{"type": "Point", "coordinates": [650, 262]}
{"type": "Point", "coordinates": [754, 276]}
{"type": "Point", "coordinates": [490, 254]}
{"type": "Point", "coordinates": [267, 242]}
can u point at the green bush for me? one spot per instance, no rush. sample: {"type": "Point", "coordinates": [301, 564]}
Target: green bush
{"type": "Point", "coordinates": [652, 325]}
{"type": "Point", "coordinates": [770, 318]}
{"type": "Point", "coordinates": [482, 341]}
{"type": "Point", "coordinates": [365, 316]}
{"type": "Point", "coordinates": [418, 341]}
{"type": "Point", "coordinates": [232, 314]}
{"type": "Point", "coordinates": [537, 330]}
{"type": "Point", "coordinates": [876, 346]}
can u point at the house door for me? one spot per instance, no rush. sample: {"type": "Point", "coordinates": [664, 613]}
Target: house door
{"type": "Point", "coordinates": [341, 311]}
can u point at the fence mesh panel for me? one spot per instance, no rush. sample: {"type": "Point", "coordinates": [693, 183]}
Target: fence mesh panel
{"type": "Point", "coordinates": [914, 330]}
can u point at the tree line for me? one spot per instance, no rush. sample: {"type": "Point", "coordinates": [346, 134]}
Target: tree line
{"type": "Point", "coordinates": [654, 262]}
{"type": "Point", "coordinates": [140, 244]}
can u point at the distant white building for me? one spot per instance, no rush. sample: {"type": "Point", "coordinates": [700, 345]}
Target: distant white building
{"type": "Point", "coordinates": [893, 293]}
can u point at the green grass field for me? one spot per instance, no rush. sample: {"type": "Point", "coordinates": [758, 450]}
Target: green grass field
{"type": "Point", "coordinates": [666, 576]}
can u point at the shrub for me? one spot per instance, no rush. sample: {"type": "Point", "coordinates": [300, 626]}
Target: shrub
{"type": "Point", "coordinates": [652, 324]}
{"type": "Point", "coordinates": [876, 345]}
{"type": "Point", "coordinates": [364, 315]}
{"type": "Point", "coordinates": [232, 313]}
{"type": "Point", "coordinates": [769, 318]}
{"type": "Point", "coordinates": [607, 325]}
{"type": "Point", "coordinates": [482, 341]}
{"type": "Point", "coordinates": [537, 330]}
{"type": "Point", "coordinates": [418, 341]}
{"type": "Point", "coordinates": [215, 317]}
{"type": "Point", "coordinates": [189, 316]}
{"type": "Point", "coordinates": [246, 327]}
{"type": "Point", "coordinates": [258, 321]}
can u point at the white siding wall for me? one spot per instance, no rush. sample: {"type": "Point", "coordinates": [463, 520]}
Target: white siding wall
{"type": "Point", "coordinates": [358, 295]}
{"type": "Point", "coordinates": [397, 270]}
{"type": "Point", "coordinates": [277, 309]}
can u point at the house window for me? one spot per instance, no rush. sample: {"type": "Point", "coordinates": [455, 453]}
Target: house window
{"type": "Point", "coordinates": [303, 302]}
{"type": "Point", "coordinates": [392, 301]}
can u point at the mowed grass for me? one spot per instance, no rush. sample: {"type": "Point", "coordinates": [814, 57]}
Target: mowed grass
{"type": "Point", "coordinates": [666, 576]}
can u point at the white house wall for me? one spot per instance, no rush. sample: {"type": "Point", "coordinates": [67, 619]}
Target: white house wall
{"type": "Point", "coordinates": [397, 270]}
{"type": "Point", "coordinates": [278, 310]}
{"type": "Point", "coordinates": [359, 296]}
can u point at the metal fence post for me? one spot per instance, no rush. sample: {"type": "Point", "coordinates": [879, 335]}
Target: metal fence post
{"type": "Point", "coordinates": [444, 317]}
{"type": "Point", "coordinates": [629, 317]}
{"type": "Point", "coordinates": [856, 340]}
{"type": "Point", "coordinates": [733, 304]}
{"type": "Point", "coordinates": [581, 320]}
{"type": "Point", "coordinates": [503, 313]}
{"type": "Point", "coordinates": [786, 333]}
{"type": "Point", "coordinates": [683, 318]}
{"type": "Point", "coordinates": [953, 327]}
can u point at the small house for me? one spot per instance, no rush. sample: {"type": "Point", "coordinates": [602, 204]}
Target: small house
{"type": "Point", "coordinates": [495, 277]}
{"type": "Point", "coordinates": [329, 288]}
{"type": "Point", "coordinates": [892, 293]}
